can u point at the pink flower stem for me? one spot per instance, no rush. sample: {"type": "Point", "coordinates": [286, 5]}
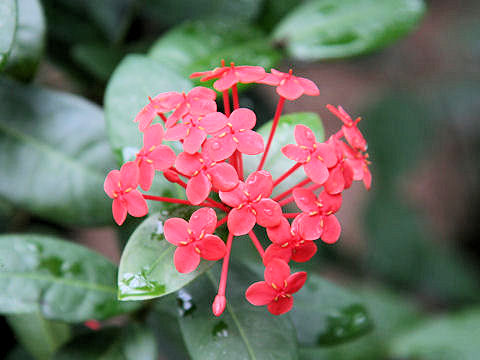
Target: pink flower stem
{"type": "Point", "coordinates": [239, 164]}
{"type": "Point", "coordinates": [278, 112]}
{"type": "Point", "coordinates": [286, 201]}
{"type": "Point", "coordinates": [236, 104]}
{"type": "Point", "coordinates": [221, 222]}
{"type": "Point", "coordinates": [176, 201]}
{"type": "Point", "coordinates": [226, 103]}
{"type": "Point", "coordinates": [291, 215]}
{"type": "Point", "coordinates": [164, 118]}
{"type": "Point", "coordinates": [223, 277]}
{"type": "Point", "coordinates": [257, 244]}
{"type": "Point", "coordinates": [289, 191]}
{"type": "Point", "coordinates": [286, 174]}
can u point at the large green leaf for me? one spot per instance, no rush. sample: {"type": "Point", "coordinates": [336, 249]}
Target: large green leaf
{"type": "Point", "coordinates": [132, 342]}
{"type": "Point", "coordinates": [53, 155]}
{"type": "Point", "coordinates": [134, 80]}
{"type": "Point", "coordinates": [29, 41]}
{"type": "Point", "coordinates": [326, 29]}
{"type": "Point", "coordinates": [325, 314]}
{"type": "Point", "coordinates": [146, 268]}
{"type": "Point", "coordinates": [276, 162]}
{"type": "Point", "coordinates": [200, 46]}
{"type": "Point", "coordinates": [64, 281]}
{"type": "Point", "coordinates": [40, 336]}
{"type": "Point", "coordinates": [242, 332]}
{"type": "Point", "coordinates": [451, 337]}
{"type": "Point", "coordinates": [8, 23]}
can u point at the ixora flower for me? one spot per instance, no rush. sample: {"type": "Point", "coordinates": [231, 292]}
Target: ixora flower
{"type": "Point", "coordinates": [214, 144]}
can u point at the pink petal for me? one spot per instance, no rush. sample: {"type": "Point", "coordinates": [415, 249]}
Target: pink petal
{"type": "Point", "coordinates": [213, 122]}
{"type": "Point", "coordinates": [224, 176]}
{"type": "Point", "coordinates": [281, 233]}
{"type": "Point", "coordinates": [201, 92]}
{"type": "Point", "coordinates": [275, 251]}
{"type": "Point", "coordinates": [176, 132]}
{"type": "Point", "coordinates": [260, 293]}
{"type": "Point", "coordinates": [367, 178]}
{"type": "Point", "coordinates": [153, 136]}
{"type": "Point", "coordinates": [227, 80]}
{"type": "Point", "coordinates": [340, 113]}
{"type": "Point", "coordinates": [186, 259]}
{"type": "Point", "coordinates": [248, 74]}
{"type": "Point", "coordinates": [304, 136]}
{"type": "Point", "coordinates": [163, 157]}
{"type": "Point", "coordinates": [316, 171]}
{"type": "Point", "coordinates": [119, 211]}
{"type": "Point", "coordinates": [212, 74]}
{"type": "Point", "coordinates": [176, 231]}
{"type": "Point", "coordinates": [202, 107]}
{"type": "Point", "coordinates": [304, 252]}
{"type": "Point", "coordinates": [193, 140]}
{"type": "Point", "coordinates": [249, 142]}
{"type": "Point", "coordinates": [129, 175]}
{"type": "Point", "coordinates": [112, 182]}
{"type": "Point", "coordinates": [271, 79]}
{"type": "Point", "coordinates": [295, 282]}
{"type": "Point", "coordinates": [276, 272]}
{"type": "Point", "coordinates": [296, 153]}
{"type": "Point", "coordinates": [290, 89]}
{"type": "Point", "coordinates": [309, 87]}
{"type": "Point", "coordinates": [167, 101]}
{"type": "Point", "coordinates": [180, 111]}
{"type": "Point", "coordinates": [188, 164]}
{"type": "Point", "coordinates": [309, 227]}
{"type": "Point", "coordinates": [330, 203]}
{"type": "Point", "coordinates": [220, 148]}
{"type": "Point", "coordinates": [355, 137]}
{"type": "Point", "coordinates": [326, 153]}
{"type": "Point", "coordinates": [241, 221]}
{"type": "Point", "coordinates": [335, 183]}
{"type": "Point", "coordinates": [305, 199]}
{"type": "Point", "coordinates": [347, 174]}
{"type": "Point", "coordinates": [268, 212]}
{"type": "Point", "coordinates": [147, 172]}
{"type": "Point", "coordinates": [198, 188]}
{"type": "Point", "coordinates": [242, 119]}
{"type": "Point", "coordinates": [211, 248]}
{"type": "Point", "coordinates": [136, 204]}
{"type": "Point", "coordinates": [331, 229]}
{"type": "Point", "coordinates": [281, 306]}
{"type": "Point", "coordinates": [145, 117]}
{"type": "Point", "coordinates": [235, 197]}
{"type": "Point", "coordinates": [259, 183]}
{"type": "Point", "coordinates": [203, 219]}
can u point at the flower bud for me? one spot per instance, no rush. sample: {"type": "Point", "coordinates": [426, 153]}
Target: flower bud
{"type": "Point", "coordinates": [219, 305]}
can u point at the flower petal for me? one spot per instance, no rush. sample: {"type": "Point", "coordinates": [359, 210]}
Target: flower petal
{"type": "Point", "coordinates": [242, 118]}
{"type": "Point", "coordinates": [249, 142]}
{"type": "Point", "coordinates": [198, 188]}
{"type": "Point", "coordinates": [176, 132]}
{"type": "Point", "coordinates": [276, 272]}
{"type": "Point", "coordinates": [163, 157]}
{"type": "Point", "coordinates": [153, 136]}
{"type": "Point", "coordinates": [330, 203]}
{"type": "Point", "coordinates": [248, 74]}
{"type": "Point", "coordinates": [211, 248]}
{"type": "Point", "coordinates": [213, 122]}
{"type": "Point", "coordinates": [355, 137]}
{"type": "Point", "coordinates": [281, 306]}
{"type": "Point", "coordinates": [275, 251]}
{"type": "Point", "coordinates": [367, 177]}
{"type": "Point", "coordinates": [304, 252]}
{"type": "Point", "coordinates": [241, 221]}
{"type": "Point", "coordinates": [304, 136]}
{"type": "Point", "coordinates": [112, 182]}
{"type": "Point", "coordinates": [259, 183]}
{"type": "Point", "coordinates": [280, 234]}
{"type": "Point", "coordinates": [316, 171]}
{"type": "Point", "coordinates": [305, 199]}
{"type": "Point", "coordinates": [290, 89]}
{"type": "Point", "coordinates": [227, 80]}
{"type": "Point", "coordinates": [147, 172]}
{"type": "Point", "coordinates": [296, 153]}
{"type": "Point", "coordinates": [331, 229]}
{"type": "Point", "coordinates": [268, 212]}
{"type": "Point", "coordinates": [224, 176]}
{"type": "Point", "coordinates": [136, 204]}
{"type": "Point", "coordinates": [326, 153]}
{"type": "Point", "coordinates": [309, 87]}
{"type": "Point", "coordinates": [260, 293]}
{"type": "Point", "coordinates": [201, 92]}
{"type": "Point", "coordinates": [272, 79]}
{"type": "Point", "coordinates": [220, 148]}
{"type": "Point", "coordinates": [145, 117]}
{"type": "Point", "coordinates": [203, 219]}
{"type": "Point", "coordinates": [309, 227]}
{"type": "Point", "coordinates": [235, 197]}
{"type": "Point", "coordinates": [176, 230]}
{"type": "Point", "coordinates": [335, 183]}
{"type": "Point", "coordinates": [186, 259]}
{"type": "Point", "coordinates": [188, 164]}
{"type": "Point", "coordinates": [295, 282]}
{"type": "Point", "coordinates": [129, 175]}
{"type": "Point", "coordinates": [194, 139]}
{"type": "Point", "coordinates": [119, 211]}
{"type": "Point", "coordinates": [202, 106]}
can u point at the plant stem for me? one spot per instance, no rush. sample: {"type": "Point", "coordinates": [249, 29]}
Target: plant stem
{"type": "Point", "coordinates": [236, 104]}
{"type": "Point", "coordinates": [289, 191]}
{"type": "Point", "coordinates": [291, 215]}
{"type": "Point", "coordinates": [257, 244]}
{"type": "Point", "coordinates": [223, 277]}
{"type": "Point", "coordinates": [226, 103]}
{"type": "Point", "coordinates": [278, 112]}
{"type": "Point", "coordinates": [287, 174]}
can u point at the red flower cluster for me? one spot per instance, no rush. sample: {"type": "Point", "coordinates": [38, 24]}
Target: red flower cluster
{"type": "Point", "coordinates": [213, 146]}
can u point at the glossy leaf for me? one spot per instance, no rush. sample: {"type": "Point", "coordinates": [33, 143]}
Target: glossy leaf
{"type": "Point", "coordinates": [327, 29]}
{"type": "Point", "coordinates": [448, 337]}
{"type": "Point", "coordinates": [134, 80]}
{"type": "Point", "coordinates": [132, 342]}
{"type": "Point", "coordinates": [242, 332]}
{"type": "Point", "coordinates": [146, 268]}
{"type": "Point", "coordinates": [54, 155]}
{"type": "Point", "coordinates": [325, 314]}
{"type": "Point", "coordinates": [200, 46]}
{"type": "Point", "coordinates": [29, 40]}
{"type": "Point", "coordinates": [40, 336]}
{"type": "Point", "coordinates": [62, 280]}
{"type": "Point", "coordinates": [276, 162]}
{"type": "Point", "coordinates": [8, 23]}
{"type": "Point", "coordinates": [97, 58]}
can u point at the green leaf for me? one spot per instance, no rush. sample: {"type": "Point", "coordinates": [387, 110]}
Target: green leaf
{"type": "Point", "coordinates": [29, 40]}
{"type": "Point", "coordinates": [133, 342]}
{"type": "Point", "coordinates": [327, 29]}
{"type": "Point", "coordinates": [8, 23]}
{"type": "Point", "coordinates": [40, 336]}
{"type": "Point", "coordinates": [326, 314]}
{"type": "Point", "coordinates": [98, 59]}
{"type": "Point", "coordinates": [146, 268]}
{"type": "Point", "coordinates": [449, 337]}
{"type": "Point", "coordinates": [134, 80]}
{"type": "Point", "coordinates": [276, 162]}
{"type": "Point", "coordinates": [62, 280]}
{"type": "Point", "coordinates": [200, 46]}
{"type": "Point", "coordinates": [54, 155]}
{"type": "Point", "coordinates": [242, 332]}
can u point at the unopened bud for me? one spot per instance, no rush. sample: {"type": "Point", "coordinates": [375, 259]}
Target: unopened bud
{"type": "Point", "coordinates": [219, 305]}
{"type": "Point", "coordinates": [171, 176]}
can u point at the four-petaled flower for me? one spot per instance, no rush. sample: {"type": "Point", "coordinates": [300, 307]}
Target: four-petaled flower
{"type": "Point", "coordinates": [194, 239]}
{"type": "Point", "coordinates": [160, 104]}
{"type": "Point", "coordinates": [236, 134]}
{"type": "Point", "coordinates": [277, 289]}
{"type": "Point", "coordinates": [349, 128]}
{"type": "Point", "coordinates": [289, 86]}
{"type": "Point", "coordinates": [340, 177]}
{"type": "Point", "coordinates": [315, 157]}
{"type": "Point", "coordinates": [317, 219]}
{"type": "Point", "coordinates": [251, 203]}
{"type": "Point", "coordinates": [288, 244]}
{"type": "Point", "coordinates": [205, 173]}
{"type": "Point", "coordinates": [121, 186]}
{"type": "Point", "coordinates": [359, 163]}
{"type": "Point", "coordinates": [153, 156]}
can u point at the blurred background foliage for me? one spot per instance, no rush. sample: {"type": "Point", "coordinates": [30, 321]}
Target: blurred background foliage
{"type": "Point", "coordinates": [406, 269]}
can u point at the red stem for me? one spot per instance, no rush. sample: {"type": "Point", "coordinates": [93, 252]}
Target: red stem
{"type": "Point", "coordinates": [236, 104]}
{"type": "Point", "coordinates": [289, 191]}
{"type": "Point", "coordinates": [257, 244]}
{"type": "Point", "coordinates": [223, 277]}
{"type": "Point", "coordinates": [221, 222]}
{"type": "Point", "coordinates": [239, 165]}
{"type": "Point", "coordinates": [226, 103]}
{"type": "Point", "coordinates": [291, 215]}
{"type": "Point", "coordinates": [278, 112]}
{"type": "Point", "coordinates": [286, 174]}
{"type": "Point", "coordinates": [286, 201]}
{"type": "Point", "coordinates": [338, 135]}
{"type": "Point", "coordinates": [164, 118]}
